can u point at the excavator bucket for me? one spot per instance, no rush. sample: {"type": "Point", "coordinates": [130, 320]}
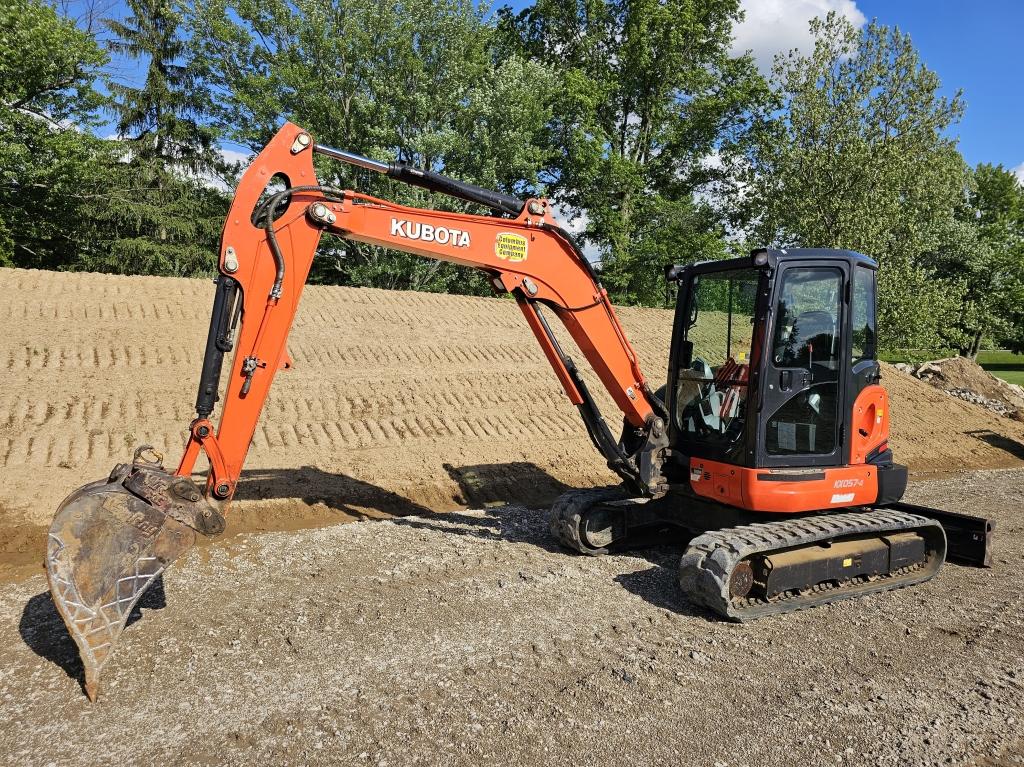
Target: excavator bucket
{"type": "Point", "coordinates": [110, 540]}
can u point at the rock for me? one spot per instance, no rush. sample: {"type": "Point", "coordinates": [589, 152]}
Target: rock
{"type": "Point", "coordinates": [996, 406]}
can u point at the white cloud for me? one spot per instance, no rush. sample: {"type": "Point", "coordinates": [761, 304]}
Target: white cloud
{"type": "Point", "coordinates": [575, 222]}
{"type": "Point", "coordinates": [778, 26]}
{"type": "Point", "coordinates": [226, 184]}
{"type": "Point", "coordinates": [233, 156]}
{"type": "Point", "coordinates": [1019, 172]}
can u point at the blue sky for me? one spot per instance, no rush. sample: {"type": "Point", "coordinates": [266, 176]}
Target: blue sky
{"type": "Point", "coordinates": [973, 46]}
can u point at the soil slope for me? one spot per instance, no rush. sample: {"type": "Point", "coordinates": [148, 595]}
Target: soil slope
{"type": "Point", "coordinates": [399, 403]}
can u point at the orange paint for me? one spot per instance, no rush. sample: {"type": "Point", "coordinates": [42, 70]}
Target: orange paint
{"type": "Point", "coordinates": [810, 489]}
{"type": "Point", "coordinates": [521, 254]}
{"type": "Point", "coordinates": [870, 423]}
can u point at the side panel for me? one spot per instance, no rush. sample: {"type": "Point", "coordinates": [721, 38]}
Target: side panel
{"type": "Point", "coordinates": [864, 371]}
{"type": "Point", "coordinates": [869, 423]}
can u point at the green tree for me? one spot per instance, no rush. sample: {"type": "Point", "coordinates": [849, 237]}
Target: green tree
{"type": "Point", "coordinates": [48, 64]}
{"type": "Point", "coordinates": [162, 118]}
{"type": "Point", "coordinates": [860, 157]}
{"type": "Point", "coordinates": [648, 97]}
{"type": "Point", "coordinates": [417, 80]}
{"type": "Point", "coordinates": [161, 216]}
{"type": "Point", "coordinates": [984, 250]}
{"type": "Point", "coordinates": [47, 165]}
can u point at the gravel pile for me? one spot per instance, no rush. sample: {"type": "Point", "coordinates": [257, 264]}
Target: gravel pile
{"type": "Point", "coordinates": [995, 405]}
{"type": "Point", "coordinates": [965, 379]}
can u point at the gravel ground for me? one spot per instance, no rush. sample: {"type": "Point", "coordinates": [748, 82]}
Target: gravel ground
{"type": "Point", "coordinates": [466, 639]}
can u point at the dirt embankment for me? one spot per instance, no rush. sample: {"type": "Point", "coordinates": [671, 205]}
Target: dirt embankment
{"type": "Point", "coordinates": [967, 380]}
{"type": "Point", "coordinates": [399, 403]}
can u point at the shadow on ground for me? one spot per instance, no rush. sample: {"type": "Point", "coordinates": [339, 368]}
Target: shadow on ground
{"type": "Point", "coordinates": [500, 491]}
{"type": "Point", "coordinates": [659, 584]}
{"type": "Point", "coordinates": [1011, 446]}
{"type": "Point", "coordinates": [518, 482]}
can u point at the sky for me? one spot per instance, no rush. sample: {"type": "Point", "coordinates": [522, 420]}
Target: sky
{"type": "Point", "coordinates": [973, 46]}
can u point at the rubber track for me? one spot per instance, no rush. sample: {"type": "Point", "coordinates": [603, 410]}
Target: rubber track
{"type": "Point", "coordinates": [708, 561]}
{"type": "Point", "coordinates": [566, 519]}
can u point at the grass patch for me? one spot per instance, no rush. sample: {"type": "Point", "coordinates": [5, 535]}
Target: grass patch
{"type": "Point", "coordinates": [1005, 365]}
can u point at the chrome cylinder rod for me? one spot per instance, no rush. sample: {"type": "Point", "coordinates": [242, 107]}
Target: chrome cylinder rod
{"type": "Point", "coordinates": [352, 158]}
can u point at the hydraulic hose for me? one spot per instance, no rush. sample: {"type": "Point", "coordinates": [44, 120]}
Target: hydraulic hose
{"type": "Point", "coordinates": [265, 211]}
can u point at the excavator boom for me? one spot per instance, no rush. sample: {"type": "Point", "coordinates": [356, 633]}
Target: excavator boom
{"type": "Point", "coordinates": [111, 539]}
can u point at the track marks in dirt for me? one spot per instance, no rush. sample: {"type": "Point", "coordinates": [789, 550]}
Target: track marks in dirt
{"type": "Point", "coordinates": [388, 388]}
{"type": "Point", "coordinates": [389, 413]}
{"type": "Point", "coordinates": [68, 359]}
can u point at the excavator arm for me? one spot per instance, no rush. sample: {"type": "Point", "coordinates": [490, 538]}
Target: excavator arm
{"type": "Point", "coordinates": [267, 250]}
{"type": "Point", "coordinates": [112, 538]}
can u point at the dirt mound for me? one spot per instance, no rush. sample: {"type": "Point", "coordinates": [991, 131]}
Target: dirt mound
{"type": "Point", "coordinates": [933, 432]}
{"type": "Point", "coordinates": [967, 380]}
{"type": "Point", "coordinates": [399, 403]}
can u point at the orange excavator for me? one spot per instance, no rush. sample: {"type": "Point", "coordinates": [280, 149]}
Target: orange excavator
{"type": "Point", "coordinates": [766, 451]}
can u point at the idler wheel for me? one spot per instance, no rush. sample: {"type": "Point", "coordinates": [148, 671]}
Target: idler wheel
{"type": "Point", "coordinates": [741, 580]}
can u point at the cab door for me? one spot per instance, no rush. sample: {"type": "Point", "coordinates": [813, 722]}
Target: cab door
{"type": "Point", "coordinates": [714, 362]}
{"type": "Point", "coordinates": [800, 422]}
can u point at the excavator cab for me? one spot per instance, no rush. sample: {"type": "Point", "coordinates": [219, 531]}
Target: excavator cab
{"type": "Point", "coordinates": [773, 379]}
{"type": "Point", "coordinates": [781, 483]}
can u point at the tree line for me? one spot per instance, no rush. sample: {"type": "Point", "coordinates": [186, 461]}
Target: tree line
{"type": "Point", "coordinates": [658, 144]}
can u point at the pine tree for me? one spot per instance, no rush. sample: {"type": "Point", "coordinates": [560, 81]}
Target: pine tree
{"type": "Point", "coordinates": [162, 118]}
{"type": "Point", "coordinates": [163, 214]}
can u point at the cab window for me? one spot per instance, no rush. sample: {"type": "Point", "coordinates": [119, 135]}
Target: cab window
{"type": "Point", "coordinates": [863, 325]}
{"type": "Point", "coordinates": [711, 394]}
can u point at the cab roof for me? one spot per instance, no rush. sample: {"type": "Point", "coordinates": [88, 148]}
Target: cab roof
{"type": "Point", "coordinates": [772, 257]}
{"type": "Point", "coordinates": [825, 254]}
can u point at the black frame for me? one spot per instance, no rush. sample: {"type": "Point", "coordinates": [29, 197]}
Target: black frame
{"type": "Point", "coordinates": [751, 450]}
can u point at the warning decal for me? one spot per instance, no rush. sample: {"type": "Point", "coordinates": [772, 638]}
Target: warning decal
{"type": "Point", "coordinates": [510, 247]}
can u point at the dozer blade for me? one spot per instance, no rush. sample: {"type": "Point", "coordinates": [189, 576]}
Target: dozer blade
{"type": "Point", "coordinates": [109, 541]}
